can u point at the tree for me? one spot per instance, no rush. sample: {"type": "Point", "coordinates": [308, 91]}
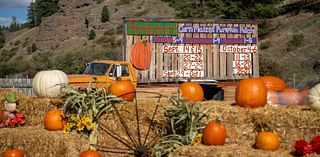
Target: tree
{"type": "Point", "coordinates": [105, 15]}
{"type": "Point", "coordinates": [92, 34]}
{"type": "Point", "coordinates": [2, 38]}
{"type": "Point", "coordinates": [14, 26]}
{"type": "Point", "coordinates": [41, 8]}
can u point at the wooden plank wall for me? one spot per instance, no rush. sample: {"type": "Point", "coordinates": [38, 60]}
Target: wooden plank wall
{"type": "Point", "coordinates": [217, 65]}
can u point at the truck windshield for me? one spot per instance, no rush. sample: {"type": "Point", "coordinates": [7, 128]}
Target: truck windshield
{"type": "Point", "coordinates": [97, 69]}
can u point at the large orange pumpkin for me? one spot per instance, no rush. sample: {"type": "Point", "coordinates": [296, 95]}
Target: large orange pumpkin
{"type": "Point", "coordinates": [273, 83]}
{"type": "Point", "coordinates": [90, 153]}
{"type": "Point", "coordinates": [15, 152]}
{"type": "Point", "coordinates": [215, 133]}
{"type": "Point", "coordinates": [124, 89]}
{"type": "Point", "coordinates": [140, 55]}
{"type": "Point", "coordinates": [290, 96]}
{"type": "Point", "coordinates": [54, 120]}
{"type": "Point", "coordinates": [267, 140]}
{"type": "Point", "coordinates": [251, 92]}
{"type": "Point", "coordinates": [191, 91]}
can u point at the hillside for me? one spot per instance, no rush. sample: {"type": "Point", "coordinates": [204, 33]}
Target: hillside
{"type": "Point", "coordinates": [290, 51]}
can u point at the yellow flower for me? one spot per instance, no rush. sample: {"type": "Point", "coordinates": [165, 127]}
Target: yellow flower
{"type": "Point", "coordinates": [80, 126]}
{"type": "Point", "coordinates": [90, 125]}
{"type": "Point", "coordinates": [72, 117]}
{"type": "Point", "coordinates": [68, 128]}
{"type": "Point", "coordinates": [197, 140]}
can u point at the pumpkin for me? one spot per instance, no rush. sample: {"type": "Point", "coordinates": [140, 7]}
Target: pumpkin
{"type": "Point", "coordinates": [90, 153]}
{"type": "Point", "coordinates": [289, 96]}
{"type": "Point", "coordinates": [267, 140]}
{"type": "Point", "coordinates": [273, 83]}
{"type": "Point", "coordinates": [48, 83]}
{"type": "Point", "coordinates": [272, 97]}
{"type": "Point", "coordinates": [251, 92]}
{"type": "Point", "coordinates": [54, 120]}
{"type": "Point", "coordinates": [15, 152]}
{"type": "Point", "coordinates": [1, 116]}
{"type": "Point", "coordinates": [215, 133]}
{"type": "Point", "coordinates": [304, 96]}
{"type": "Point", "coordinates": [124, 89]}
{"type": "Point", "coordinates": [314, 97]}
{"type": "Point", "coordinates": [191, 91]}
{"type": "Point", "coordinates": [140, 55]}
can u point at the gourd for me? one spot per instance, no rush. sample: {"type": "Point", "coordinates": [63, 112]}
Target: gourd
{"type": "Point", "coordinates": [140, 55]}
{"type": "Point", "coordinates": [314, 97]}
{"type": "Point", "coordinates": [191, 91]}
{"type": "Point", "coordinates": [14, 152]}
{"type": "Point", "coordinates": [48, 83]}
{"type": "Point", "coordinates": [124, 89]}
{"type": "Point", "coordinates": [273, 83]}
{"type": "Point", "coordinates": [54, 120]}
{"type": "Point", "coordinates": [90, 153]}
{"type": "Point", "coordinates": [251, 92]}
{"type": "Point", "coordinates": [267, 140]}
{"type": "Point", "coordinates": [215, 133]}
{"type": "Point", "coordinates": [290, 96]}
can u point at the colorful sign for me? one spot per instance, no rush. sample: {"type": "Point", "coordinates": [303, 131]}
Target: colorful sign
{"type": "Point", "coordinates": [216, 29]}
{"type": "Point", "coordinates": [151, 28]}
{"type": "Point", "coordinates": [190, 40]}
{"type": "Point", "coordinates": [181, 49]}
{"type": "Point", "coordinates": [242, 64]}
{"type": "Point", "coordinates": [182, 73]}
{"type": "Point", "coordinates": [238, 49]}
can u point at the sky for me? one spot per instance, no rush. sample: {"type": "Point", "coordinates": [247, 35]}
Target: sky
{"type": "Point", "coordinates": [17, 8]}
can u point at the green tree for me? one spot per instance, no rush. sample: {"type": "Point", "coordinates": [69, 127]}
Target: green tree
{"type": "Point", "coordinates": [105, 15]}
{"type": "Point", "coordinates": [92, 34]}
{"type": "Point", "coordinates": [39, 9]}
{"type": "Point", "coordinates": [2, 38]}
{"type": "Point", "coordinates": [14, 26]}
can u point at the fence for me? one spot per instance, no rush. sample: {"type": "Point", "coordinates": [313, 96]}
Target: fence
{"type": "Point", "coordinates": [23, 85]}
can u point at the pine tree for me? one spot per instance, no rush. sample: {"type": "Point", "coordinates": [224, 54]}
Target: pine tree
{"type": "Point", "coordinates": [2, 39]}
{"type": "Point", "coordinates": [41, 8]}
{"type": "Point", "coordinates": [105, 15]}
{"type": "Point", "coordinates": [92, 34]}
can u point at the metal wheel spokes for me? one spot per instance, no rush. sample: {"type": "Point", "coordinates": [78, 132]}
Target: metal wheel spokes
{"type": "Point", "coordinates": [131, 142]}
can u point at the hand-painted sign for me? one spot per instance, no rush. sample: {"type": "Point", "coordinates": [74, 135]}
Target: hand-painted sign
{"type": "Point", "coordinates": [216, 29]}
{"type": "Point", "coordinates": [190, 40]}
{"type": "Point", "coordinates": [238, 49]}
{"type": "Point", "coordinates": [182, 73]}
{"type": "Point", "coordinates": [182, 49]}
{"type": "Point", "coordinates": [242, 64]}
{"type": "Point", "coordinates": [151, 28]}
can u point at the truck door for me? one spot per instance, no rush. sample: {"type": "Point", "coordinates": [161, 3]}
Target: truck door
{"type": "Point", "coordinates": [119, 70]}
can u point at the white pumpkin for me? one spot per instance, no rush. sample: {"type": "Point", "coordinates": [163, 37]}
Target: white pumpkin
{"type": "Point", "coordinates": [48, 83]}
{"type": "Point", "coordinates": [314, 97]}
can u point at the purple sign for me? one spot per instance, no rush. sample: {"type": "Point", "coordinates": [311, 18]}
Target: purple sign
{"type": "Point", "coordinates": [189, 40]}
{"type": "Point", "coordinates": [216, 29]}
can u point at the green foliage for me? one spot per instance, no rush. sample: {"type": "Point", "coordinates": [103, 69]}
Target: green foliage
{"type": "Point", "coordinates": [268, 67]}
{"type": "Point", "coordinates": [264, 28]}
{"type": "Point", "coordinates": [33, 47]}
{"type": "Point", "coordinates": [6, 55]}
{"type": "Point", "coordinates": [6, 69]}
{"type": "Point", "coordinates": [109, 32]}
{"type": "Point", "coordinates": [92, 34]}
{"type": "Point", "coordinates": [70, 63]}
{"type": "Point", "coordinates": [295, 42]}
{"type": "Point", "coordinates": [99, 1]}
{"type": "Point", "coordinates": [39, 9]}
{"type": "Point", "coordinates": [16, 43]}
{"type": "Point", "coordinates": [2, 39]}
{"type": "Point", "coordinates": [105, 15]}
{"type": "Point", "coordinates": [265, 45]}
{"type": "Point", "coordinates": [123, 2]}
{"type": "Point", "coordinates": [41, 61]}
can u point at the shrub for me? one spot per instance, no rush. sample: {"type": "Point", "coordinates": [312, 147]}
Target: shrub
{"type": "Point", "coordinates": [105, 15]}
{"type": "Point", "coordinates": [265, 45]}
{"type": "Point", "coordinates": [92, 34]}
{"type": "Point", "coordinates": [295, 42]}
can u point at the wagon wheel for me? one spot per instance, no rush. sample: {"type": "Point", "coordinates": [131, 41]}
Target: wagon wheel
{"type": "Point", "coordinates": [131, 134]}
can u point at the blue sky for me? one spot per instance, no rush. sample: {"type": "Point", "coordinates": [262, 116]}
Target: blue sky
{"type": "Point", "coordinates": [17, 8]}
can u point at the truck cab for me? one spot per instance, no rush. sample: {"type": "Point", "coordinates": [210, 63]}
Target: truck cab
{"type": "Point", "coordinates": [102, 73]}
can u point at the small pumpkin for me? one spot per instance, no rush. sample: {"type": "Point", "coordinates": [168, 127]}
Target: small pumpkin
{"type": "Point", "coordinates": [215, 133]}
{"type": "Point", "coordinates": [54, 120]}
{"type": "Point", "coordinates": [267, 140]}
{"type": "Point", "coordinates": [14, 152]}
{"type": "Point", "coordinates": [191, 91]}
{"type": "Point", "coordinates": [140, 55]}
{"type": "Point", "coordinates": [273, 83]}
{"type": "Point", "coordinates": [124, 89]}
{"type": "Point", "coordinates": [90, 153]}
{"type": "Point", "coordinates": [314, 97]}
{"type": "Point", "coordinates": [289, 96]}
{"type": "Point", "coordinates": [251, 92]}
{"type": "Point", "coordinates": [48, 83]}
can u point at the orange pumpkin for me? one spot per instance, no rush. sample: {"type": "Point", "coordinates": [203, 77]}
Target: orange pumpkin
{"type": "Point", "coordinates": [90, 153]}
{"type": "Point", "coordinates": [214, 133]}
{"type": "Point", "coordinates": [290, 96]}
{"type": "Point", "coordinates": [304, 96]}
{"type": "Point", "coordinates": [191, 91]}
{"type": "Point", "coordinates": [272, 97]}
{"type": "Point", "coordinates": [54, 120]}
{"type": "Point", "coordinates": [140, 55]}
{"type": "Point", "coordinates": [273, 83]}
{"type": "Point", "coordinates": [251, 92]}
{"type": "Point", "coordinates": [267, 140]}
{"type": "Point", "coordinates": [15, 152]}
{"type": "Point", "coordinates": [1, 116]}
{"type": "Point", "coordinates": [124, 89]}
